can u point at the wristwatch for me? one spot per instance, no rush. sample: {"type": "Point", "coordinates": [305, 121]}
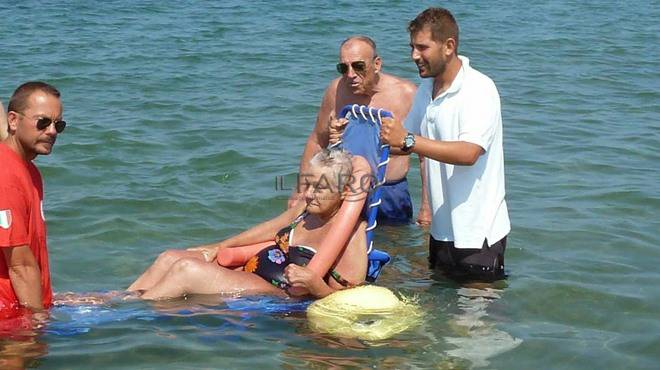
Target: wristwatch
{"type": "Point", "coordinates": [408, 142]}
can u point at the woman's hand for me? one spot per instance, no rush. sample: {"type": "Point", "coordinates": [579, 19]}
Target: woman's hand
{"type": "Point", "coordinates": [304, 281]}
{"type": "Point", "coordinates": [299, 277]}
{"type": "Point", "coordinates": [209, 252]}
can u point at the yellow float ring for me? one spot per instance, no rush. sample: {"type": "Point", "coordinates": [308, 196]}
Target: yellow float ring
{"type": "Point", "coordinates": [367, 312]}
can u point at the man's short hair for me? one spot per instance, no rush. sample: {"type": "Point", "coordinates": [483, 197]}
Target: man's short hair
{"type": "Point", "coordinates": [19, 100]}
{"type": "Point", "coordinates": [441, 22]}
{"type": "Point", "coordinates": [365, 39]}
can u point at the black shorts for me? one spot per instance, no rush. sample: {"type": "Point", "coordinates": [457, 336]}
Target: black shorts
{"type": "Point", "coordinates": [486, 263]}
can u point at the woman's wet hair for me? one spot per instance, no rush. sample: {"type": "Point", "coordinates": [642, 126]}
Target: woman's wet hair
{"type": "Point", "coordinates": [338, 161]}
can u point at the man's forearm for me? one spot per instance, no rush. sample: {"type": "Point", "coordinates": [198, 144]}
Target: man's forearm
{"type": "Point", "coordinates": [315, 143]}
{"type": "Point", "coordinates": [311, 149]}
{"type": "Point", "coordinates": [26, 281]}
{"type": "Point", "coordinates": [424, 180]}
{"type": "Point", "coordinates": [459, 153]}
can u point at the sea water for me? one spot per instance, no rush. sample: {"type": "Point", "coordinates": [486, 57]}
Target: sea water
{"type": "Point", "coordinates": [186, 123]}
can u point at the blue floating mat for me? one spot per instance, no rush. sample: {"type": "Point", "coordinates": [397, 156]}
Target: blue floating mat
{"type": "Point", "coordinates": [72, 320]}
{"type": "Point", "coordinates": [271, 305]}
{"type": "Point", "coordinates": [69, 320]}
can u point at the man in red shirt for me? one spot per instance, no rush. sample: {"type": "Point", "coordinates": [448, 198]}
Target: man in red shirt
{"type": "Point", "coordinates": [34, 118]}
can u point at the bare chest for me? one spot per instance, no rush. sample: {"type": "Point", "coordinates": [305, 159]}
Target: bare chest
{"type": "Point", "coordinates": [385, 100]}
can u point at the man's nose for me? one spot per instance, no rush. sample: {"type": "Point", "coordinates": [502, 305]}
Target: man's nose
{"type": "Point", "coordinates": [414, 54]}
{"type": "Point", "coordinates": [50, 129]}
{"type": "Point", "coordinates": [351, 72]}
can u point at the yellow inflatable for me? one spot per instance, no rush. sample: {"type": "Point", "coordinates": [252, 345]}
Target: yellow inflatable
{"type": "Point", "coordinates": [367, 312]}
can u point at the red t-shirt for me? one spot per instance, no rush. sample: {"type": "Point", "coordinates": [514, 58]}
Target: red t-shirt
{"type": "Point", "coordinates": [21, 223]}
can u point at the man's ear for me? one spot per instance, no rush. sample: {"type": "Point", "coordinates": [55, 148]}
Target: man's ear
{"type": "Point", "coordinates": [378, 64]}
{"type": "Point", "coordinates": [12, 121]}
{"type": "Point", "coordinates": [450, 46]}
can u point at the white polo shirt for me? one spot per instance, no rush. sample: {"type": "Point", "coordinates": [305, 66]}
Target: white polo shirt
{"type": "Point", "coordinates": [467, 201]}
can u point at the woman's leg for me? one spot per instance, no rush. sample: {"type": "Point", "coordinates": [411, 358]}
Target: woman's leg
{"type": "Point", "coordinates": [160, 267]}
{"type": "Point", "coordinates": [194, 276]}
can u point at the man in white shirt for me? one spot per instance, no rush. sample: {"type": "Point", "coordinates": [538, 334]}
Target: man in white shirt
{"type": "Point", "coordinates": [455, 122]}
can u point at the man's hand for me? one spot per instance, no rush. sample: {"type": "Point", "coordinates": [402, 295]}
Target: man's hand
{"type": "Point", "coordinates": [424, 215]}
{"type": "Point", "coordinates": [336, 128]}
{"type": "Point", "coordinates": [392, 132]}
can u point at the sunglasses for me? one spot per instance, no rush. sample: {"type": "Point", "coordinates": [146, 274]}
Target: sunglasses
{"type": "Point", "coordinates": [358, 67]}
{"type": "Point", "coordinates": [44, 122]}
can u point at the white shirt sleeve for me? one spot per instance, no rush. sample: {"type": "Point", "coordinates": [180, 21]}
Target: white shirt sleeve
{"type": "Point", "coordinates": [414, 118]}
{"type": "Point", "coordinates": [480, 116]}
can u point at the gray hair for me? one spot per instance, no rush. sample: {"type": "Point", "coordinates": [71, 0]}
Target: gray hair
{"type": "Point", "coordinates": [338, 161]}
{"type": "Point", "coordinates": [366, 39]}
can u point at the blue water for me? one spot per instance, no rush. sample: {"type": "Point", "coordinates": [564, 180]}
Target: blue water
{"type": "Point", "coordinates": [182, 115]}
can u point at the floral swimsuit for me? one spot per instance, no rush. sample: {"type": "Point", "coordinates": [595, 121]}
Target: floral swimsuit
{"type": "Point", "coordinates": [271, 261]}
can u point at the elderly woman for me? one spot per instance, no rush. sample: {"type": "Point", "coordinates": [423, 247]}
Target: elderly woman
{"type": "Point", "coordinates": [297, 233]}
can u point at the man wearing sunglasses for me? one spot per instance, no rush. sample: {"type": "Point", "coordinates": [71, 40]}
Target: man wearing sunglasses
{"type": "Point", "coordinates": [34, 120]}
{"type": "Point", "coordinates": [456, 123]}
{"type": "Point", "coordinates": [362, 81]}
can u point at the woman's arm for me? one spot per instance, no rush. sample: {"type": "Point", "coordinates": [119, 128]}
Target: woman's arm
{"type": "Point", "coordinates": [306, 282]}
{"type": "Point", "coordinates": [352, 263]}
{"type": "Point", "coordinates": [262, 232]}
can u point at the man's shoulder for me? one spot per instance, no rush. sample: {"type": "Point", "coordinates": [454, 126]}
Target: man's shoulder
{"type": "Point", "coordinates": [14, 175]}
{"type": "Point", "coordinates": [401, 84]}
{"type": "Point", "coordinates": [333, 85]}
{"type": "Point", "coordinates": [479, 79]}
{"type": "Point", "coordinates": [11, 179]}
{"type": "Point", "coordinates": [12, 185]}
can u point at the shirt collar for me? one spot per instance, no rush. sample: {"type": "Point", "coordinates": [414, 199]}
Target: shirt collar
{"type": "Point", "coordinates": [458, 80]}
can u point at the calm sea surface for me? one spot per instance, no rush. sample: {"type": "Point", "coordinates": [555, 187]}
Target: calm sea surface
{"type": "Point", "coordinates": [182, 115]}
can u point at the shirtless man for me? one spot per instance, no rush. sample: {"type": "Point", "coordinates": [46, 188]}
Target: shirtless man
{"type": "Point", "coordinates": [362, 82]}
